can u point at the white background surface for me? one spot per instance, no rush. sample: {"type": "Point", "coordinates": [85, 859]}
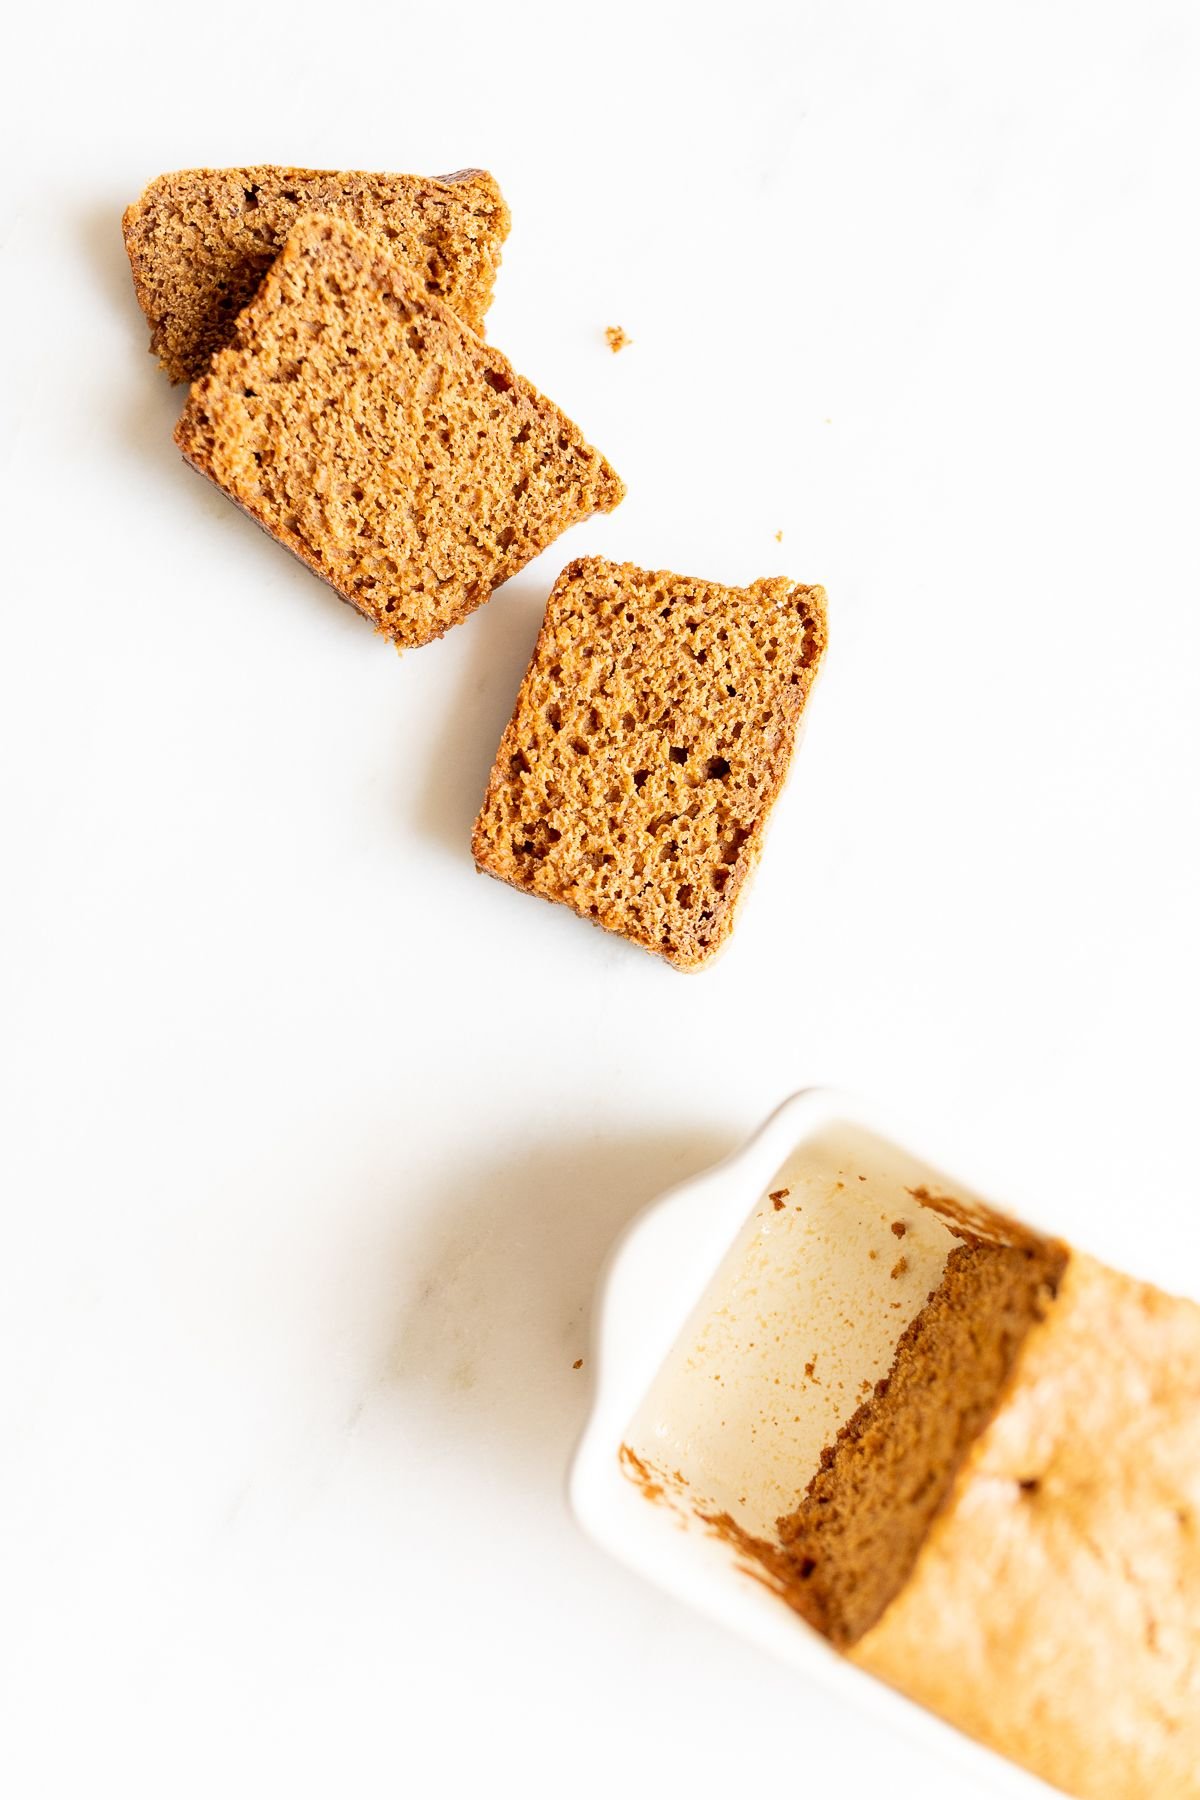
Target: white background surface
{"type": "Point", "coordinates": [317, 1138]}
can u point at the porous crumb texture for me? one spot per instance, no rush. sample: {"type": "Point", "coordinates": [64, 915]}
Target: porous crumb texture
{"type": "Point", "coordinates": [651, 735]}
{"type": "Point", "coordinates": [1054, 1610]}
{"type": "Point", "coordinates": [200, 242]}
{"type": "Point", "coordinates": [359, 421]}
{"type": "Point", "coordinates": [853, 1541]}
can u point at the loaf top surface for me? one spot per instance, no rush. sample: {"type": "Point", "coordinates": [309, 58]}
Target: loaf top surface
{"type": "Point", "coordinates": [1054, 1610]}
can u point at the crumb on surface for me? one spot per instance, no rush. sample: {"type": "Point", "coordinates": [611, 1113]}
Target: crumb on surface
{"type": "Point", "coordinates": [778, 1197]}
{"type": "Point", "coordinates": [578, 1363]}
{"type": "Point", "coordinates": [900, 1268]}
{"type": "Point", "coordinates": [616, 338]}
{"type": "Point", "coordinates": [898, 1228]}
{"type": "Point", "coordinates": [779, 537]}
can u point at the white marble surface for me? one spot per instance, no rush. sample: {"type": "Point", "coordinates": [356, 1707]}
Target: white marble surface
{"type": "Point", "coordinates": [315, 1139]}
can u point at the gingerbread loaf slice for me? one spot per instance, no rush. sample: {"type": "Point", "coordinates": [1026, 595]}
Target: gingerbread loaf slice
{"type": "Point", "coordinates": [651, 736]}
{"type": "Point", "coordinates": [200, 242]}
{"type": "Point", "coordinates": [358, 420]}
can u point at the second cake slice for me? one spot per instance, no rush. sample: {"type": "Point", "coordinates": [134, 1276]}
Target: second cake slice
{"type": "Point", "coordinates": [650, 739]}
{"type": "Point", "coordinates": [360, 422]}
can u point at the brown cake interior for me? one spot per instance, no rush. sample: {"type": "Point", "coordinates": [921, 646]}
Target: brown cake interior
{"type": "Point", "coordinates": [852, 1542]}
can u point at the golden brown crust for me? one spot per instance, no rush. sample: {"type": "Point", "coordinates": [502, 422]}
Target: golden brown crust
{"type": "Point", "coordinates": [200, 241]}
{"type": "Point", "coordinates": [1054, 1610]}
{"type": "Point", "coordinates": [357, 419]}
{"type": "Point", "coordinates": [650, 738]}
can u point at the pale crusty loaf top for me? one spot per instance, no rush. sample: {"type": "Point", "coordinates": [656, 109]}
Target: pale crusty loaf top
{"type": "Point", "coordinates": [200, 242]}
{"type": "Point", "coordinates": [359, 421]}
{"type": "Point", "coordinates": [651, 736]}
{"type": "Point", "coordinates": [1054, 1609]}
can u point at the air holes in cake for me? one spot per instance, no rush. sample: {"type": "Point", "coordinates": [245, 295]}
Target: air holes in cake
{"type": "Point", "coordinates": [640, 778]}
{"type": "Point", "coordinates": [506, 538]}
{"type": "Point", "coordinates": [593, 723]}
{"type": "Point", "coordinates": [294, 198]}
{"type": "Point", "coordinates": [518, 765]}
{"type": "Point", "coordinates": [731, 691]}
{"type": "Point", "coordinates": [554, 716]}
{"type": "Point", "coordinates": [716, 768]}
{"type": "Point", "coordinates": [805, 1568]}
{"type": "Point", "coordinates": [522, 436]}
{"type": "Point", "coordinates": [579, 747]}
{"type": "Point", "coordinates": [678, 754]}
{"type": "Point", "coordinates": [250, 198]}
{"type": "Point", "coordinates": [720, 878]}
{"type": "Point", "coordinates": [356, 493]}
{"type": "Point", "coordinates": [684, 893]}
{"type": "Point", "coordinates": [730, 852]}
{"type": "Point", "coordinates": [628, 721]}
{"type": "Point", "coordinates": [1029, 1485]}
{"type": "Point", "coordinates": [414, 340]}
{"type": "Point", "coordinates": [249, 394]}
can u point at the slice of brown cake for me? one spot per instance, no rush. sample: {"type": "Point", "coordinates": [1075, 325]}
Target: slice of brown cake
{"type": "Point", "coordinates": [200, 242]}
{"type": "Point", "coordinates": [358, 420]}
{"type": "Point", "coordinates": [651, 736]}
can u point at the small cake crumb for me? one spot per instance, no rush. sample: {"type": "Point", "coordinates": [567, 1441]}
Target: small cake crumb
{"type": "Point", "coordinates": [779, 537]}
{"type": "Point", "coordinates": [578, 1363]}
{"type": "Point", "coordinates": [898, 1228]}
{"type": "Point", "coordinates": [778, 1197]}
{"type": "Point", "coordinates": [616, 338]}
{"type": "Point", "coordinates": [900, 1268]}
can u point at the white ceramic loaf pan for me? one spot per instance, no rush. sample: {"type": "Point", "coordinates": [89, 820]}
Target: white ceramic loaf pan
{"type": "Point", "coordinates": [741, 1319]}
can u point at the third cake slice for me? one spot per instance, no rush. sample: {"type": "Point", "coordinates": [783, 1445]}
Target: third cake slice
{"type": "Point", "coordinates": [201, 240]}
{"type": "Point", "coordinates": [359, 421]}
